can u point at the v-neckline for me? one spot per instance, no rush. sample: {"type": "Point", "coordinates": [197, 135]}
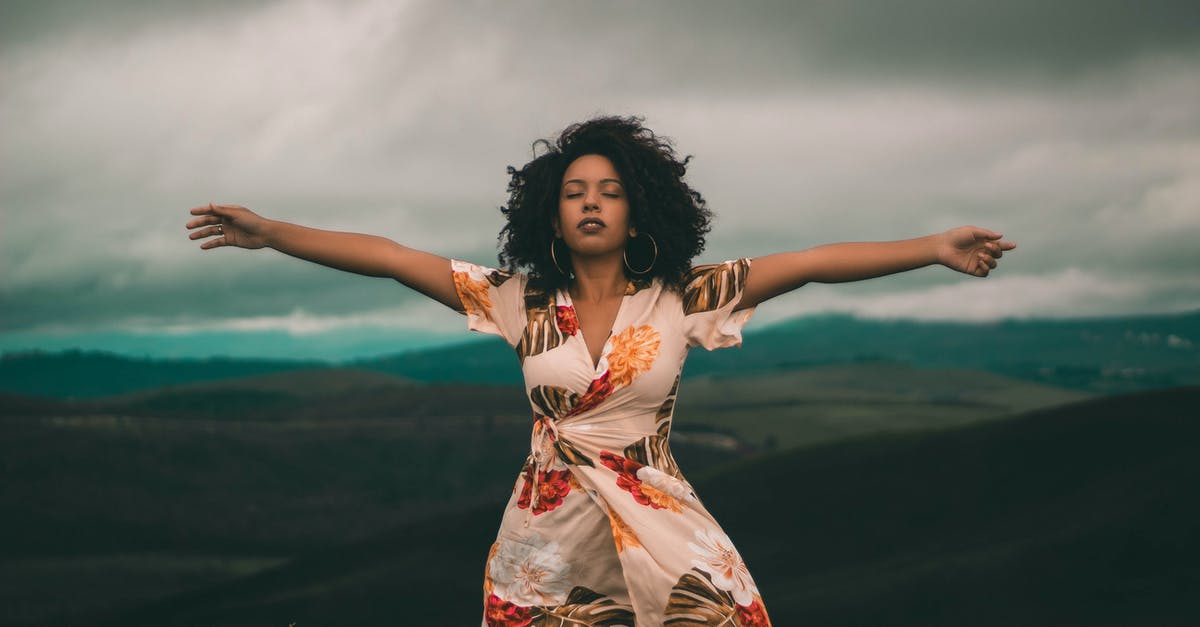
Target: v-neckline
{"type": "Point", "coordinates": [607, 347]}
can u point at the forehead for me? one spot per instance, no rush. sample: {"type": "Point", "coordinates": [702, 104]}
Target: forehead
{"type": "Point", "coordinates": [591, 168]}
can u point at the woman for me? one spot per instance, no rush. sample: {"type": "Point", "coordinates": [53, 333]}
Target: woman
{"type": "Point", "coordinates": [602, 527]}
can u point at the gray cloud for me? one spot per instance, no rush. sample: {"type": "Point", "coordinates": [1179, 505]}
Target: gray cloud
{"type": "Point", "coordinates": [1073, 129]}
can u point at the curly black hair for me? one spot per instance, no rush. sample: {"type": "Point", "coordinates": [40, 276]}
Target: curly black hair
{"type": "Point", "coordinates": [660, 202]}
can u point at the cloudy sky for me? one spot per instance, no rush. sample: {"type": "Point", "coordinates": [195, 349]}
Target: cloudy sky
{"type": "Point", "coordinates": [1073, 128]}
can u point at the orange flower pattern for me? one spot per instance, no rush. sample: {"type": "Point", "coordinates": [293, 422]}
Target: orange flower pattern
{"type": "Point", "coordinates": [597, 528]}
{"type": "Point", "coordinates": [623, 535]}
{"type": "Point", "coordinates": [633, 352]}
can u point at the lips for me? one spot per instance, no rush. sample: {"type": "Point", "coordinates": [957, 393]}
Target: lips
{"type": "Point", "coordinates": [588, 221]}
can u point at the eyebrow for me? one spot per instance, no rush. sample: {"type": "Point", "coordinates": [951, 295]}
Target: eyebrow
{"type": "Point", "coordinates": [582, 182]}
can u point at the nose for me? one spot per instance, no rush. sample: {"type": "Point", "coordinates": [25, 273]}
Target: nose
{"type": "Point", "coordinates": [591, 201]}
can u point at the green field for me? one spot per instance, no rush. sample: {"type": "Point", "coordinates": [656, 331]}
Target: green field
{"type": "Point", "coordinates": [858, 494]}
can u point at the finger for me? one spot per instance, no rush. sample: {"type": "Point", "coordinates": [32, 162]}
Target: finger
{"type": "Point", "coordinates": [203, 221]}
{"type": "Point", "coordinates": [210, 208]}
{"type": "Point", "coordinates": [215, 242]}
{"type": "Point", "coordinates": [987, 259]}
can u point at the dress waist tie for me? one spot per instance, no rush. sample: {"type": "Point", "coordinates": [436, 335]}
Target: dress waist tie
{"type": "Point", "coordinates": [540, 428]}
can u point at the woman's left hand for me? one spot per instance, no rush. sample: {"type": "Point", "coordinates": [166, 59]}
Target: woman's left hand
{"type": "Point", "coordinates": [971, 250]}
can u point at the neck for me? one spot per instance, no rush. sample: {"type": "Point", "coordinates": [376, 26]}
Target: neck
{"type": "Point", "coordinates": [598, 278]}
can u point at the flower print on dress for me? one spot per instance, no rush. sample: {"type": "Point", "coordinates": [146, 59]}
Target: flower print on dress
{"type": "Point", "coordinates": [753, 615]}
{"type": "Point", "coordinates": [696, 601]}
{"type": "Point", "coordinates": [633, 352]}
{"type": "Point", "coordinates": [583, 606]}
{"type": "Point", "coordinates": [630, 478]}
{"type": "Point", "coordinates": [568, 322]}
{"type": "Point", "coordinates": [552, 487]}
{"type": "Point", "coordinates": [473, 283]}
{"type": "Point", "coordinates": [665, 483]}
{"type": "Point", "coordinates": [717, 556]}
{"type": "Point", "coordinates": [529, 571]}
{"type": "Point", "coordinates": [500, 613]}
{"type": "Point", "coordinates": [623, 535]}
{"type": "Point", "coordinates": [600, 388]}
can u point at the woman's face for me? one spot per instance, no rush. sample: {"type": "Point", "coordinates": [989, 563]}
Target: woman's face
{"type": "Point", "coordinates": [593, 210]}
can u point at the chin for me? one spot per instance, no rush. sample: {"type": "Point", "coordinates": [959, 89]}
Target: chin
{"type": "Point", "coordinates": [595, 247]}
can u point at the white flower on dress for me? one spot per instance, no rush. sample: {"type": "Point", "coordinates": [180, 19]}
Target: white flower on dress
{"type": "Point", "coordinates": [530, 571]}
{"type": "Point", "coordinates": [719, 558]}
{"type": "Point", "coordinates": [663, 482]}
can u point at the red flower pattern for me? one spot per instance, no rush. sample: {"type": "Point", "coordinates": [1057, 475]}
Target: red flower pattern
{"type": "Point", "coordinates": [501, 613]}
{"type": "Point", "coordinates": [553, 485]}
{"type": "Point", "coordinates": [568, 323]}
{"type": "Point", "coordinates": [596, 392]}
{"type": "Point", "coordinates": [753, 615]}
{"type": "Point", "coordinates": [627, 480]}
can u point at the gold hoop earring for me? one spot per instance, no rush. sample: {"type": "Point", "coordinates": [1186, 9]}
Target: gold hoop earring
{"type": "Point", "coordinates": [652, 261]}
{"type": "Point", "coordinates": [555, 258]}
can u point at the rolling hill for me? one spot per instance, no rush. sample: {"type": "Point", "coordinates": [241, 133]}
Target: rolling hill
{"type": "Point", "coordinates": [1082, 514]}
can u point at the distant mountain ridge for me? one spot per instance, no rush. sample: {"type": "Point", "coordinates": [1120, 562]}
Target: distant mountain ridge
{"type": "Point", "coordinates": [1094, 355]}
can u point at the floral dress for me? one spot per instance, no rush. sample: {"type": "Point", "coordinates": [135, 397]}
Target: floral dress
{"type": "Point", "coordinates": [602, 528]}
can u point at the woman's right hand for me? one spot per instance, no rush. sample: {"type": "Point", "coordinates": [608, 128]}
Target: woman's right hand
{"type": "Point", "coordinates": [234, 225]}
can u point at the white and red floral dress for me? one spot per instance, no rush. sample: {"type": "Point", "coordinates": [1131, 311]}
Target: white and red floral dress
{"type": "Point", "coordinates": [602, 528]}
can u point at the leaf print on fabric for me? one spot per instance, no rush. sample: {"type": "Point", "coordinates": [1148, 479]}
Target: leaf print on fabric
{"type": "Point", "coordinates": [716, 555]}
{"type": "Point", "coordinates": [695, 602]}
{"type": "Point", "coordinates": [554, 401]}
{"type": "Point", "coordinates": [572, 455]}
{"type": "Point", "coordinates": [653, 451]}
{"type": "Point", "coordinates": [586, 607]}
{"type": "Point", "coordinates": [665, 411]}
{"type": "Point", "coordinates": [623, 535]}
{"type": "Point", "coordinates": [712, 286]}
{"type": "Point", "coordinates": [633, 286]}
{"type": "Point", "coordinates": [530, 571]}
{"type": "Point", "coordinates": [649, 486]}
{"type": "Point", "coordinates": [542, 330]}
{"type": "Point", "coordinates": [633, 352]}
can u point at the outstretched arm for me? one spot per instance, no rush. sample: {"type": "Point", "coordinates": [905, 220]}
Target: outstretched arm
{"type": "Point", "coordinates": [967, 249]}
{"type": "Point", "coordinates": [360, 253]}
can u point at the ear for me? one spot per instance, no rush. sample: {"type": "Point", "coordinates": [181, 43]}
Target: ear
{"type": "Point", "coordinates": [632, 231]}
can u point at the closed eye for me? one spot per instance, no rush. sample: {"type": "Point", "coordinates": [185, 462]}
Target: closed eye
{"type": "Point", "coordinates": [578, 194]}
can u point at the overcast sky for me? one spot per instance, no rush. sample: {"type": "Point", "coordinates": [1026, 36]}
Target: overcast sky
{"type": "Point", "coordinates": [1071, 127]}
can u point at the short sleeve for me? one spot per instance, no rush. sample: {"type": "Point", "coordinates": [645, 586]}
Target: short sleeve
{"type": "Point", "coordinates": [493, 300]}
{"type": "Point", "coordinates": [710, 295]}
